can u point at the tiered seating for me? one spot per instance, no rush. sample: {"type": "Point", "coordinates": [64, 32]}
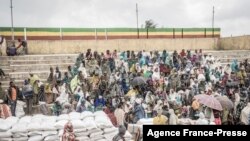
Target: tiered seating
{"type": "Point", "coordinates": [18, 68]}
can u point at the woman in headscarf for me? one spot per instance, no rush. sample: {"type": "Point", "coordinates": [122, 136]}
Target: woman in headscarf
{"type": "Point", "coordinates": [68, 133]}
{"type": "Point", "coordinates": [173, 119]}
{"type": "Point", "coordinates": [202, 120]}
{"type": "Point", "coordinates": [164, 55]}
{"type": "Point", "coordinates": [88, 104]}
{"type": "Point", "coordinates": [99, 103]}
{"type": "Point", "coordinates": [81, 108]}
{"type": "Point", "coordinates": [138, 111]}
{"type": "Point", "coordinates": [57, 108]}
{"type": "Point", "coordinates": [172, 96]}
{"type": "Point", "coordinates": [5, 111]}
{"type": "Point", "coordinates": [160, 119]}
{"type": "Point", "coordinates": [234, 66]}
{"type": "Point", "coordinates": [119, 114]}
{"type": "Point", "coordinates": [159, 105]}
{"type": "Point", "coordinates": [156, 74]}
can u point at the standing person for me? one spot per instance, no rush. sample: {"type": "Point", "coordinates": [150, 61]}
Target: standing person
{"type": "Point", "coordinates": [13, 92]}
{"type": "Point", "coordinates": [51, 79]}
{"type": "Point", "coordinates": [33, 78]}
{"type": "Point", "coordinates": [2, 74]}
{"type": "Point", "coordinates": [23, 43]}
{"type": "Point", "coordinates": [2, 95]}
{"type": "Point", "coordinates": [120, 135]}
{"type": "Point", "coordinates": [139, 111]}
{"type": "Point", "coordinates": [68, 133]}
{"type": "Point", "coordinates": [1, 42]}
{"type": "Point", "coordinates": [27, 92]}
{"type": "Point", "coordinates": [36, 89]}
{"type": "Point", "coordinates": [120, 114]}
{"type": "Point", "coordinates": [58, 75]}
{"type": "Point", "coordinates": [112, 116]}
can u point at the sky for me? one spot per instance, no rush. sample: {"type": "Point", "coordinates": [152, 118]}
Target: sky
{"type": "Point", "coordinates": [232, 16]}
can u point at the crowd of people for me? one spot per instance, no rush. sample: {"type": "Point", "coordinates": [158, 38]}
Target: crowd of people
{"type": "Point", "coordinates": [12, 49]}
{"type": "Point", "coordinates": [129, 86]}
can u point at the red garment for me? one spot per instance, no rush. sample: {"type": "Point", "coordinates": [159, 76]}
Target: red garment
{"type": "Point", "coordinates": [5, 111]}
{"type": "Point", "coordinates": [183, 54]}
{"type": "Point", "coordinates": [106, 111]}
{"type": "Point", "coordinates": [113, 119]}
{"type": "Point", "coordinates": [68, 134]}
{"type": "Point", "coordinates": [217, 121]}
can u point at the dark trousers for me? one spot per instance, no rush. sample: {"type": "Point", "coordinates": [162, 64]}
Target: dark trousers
{"type": "Point", "coordinates": [2, 72]}
{"type": "Point", "coordinates": [13, 108]}
{"type": "Point", "coordinates": [57, 113]}
{"type": "Point", "coordinates": [29, 103]}
{"type": "Point", "coordinates": [35, 99]}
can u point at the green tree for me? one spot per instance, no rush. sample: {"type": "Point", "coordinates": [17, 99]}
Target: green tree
{"type": "Point", "coordinates": [149, 24]}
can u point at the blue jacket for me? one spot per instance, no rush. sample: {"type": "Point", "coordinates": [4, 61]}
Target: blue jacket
{"type": "Point", "coordinates": [99, 102]}
{"type": "Point", "coordinates": [139, 112]}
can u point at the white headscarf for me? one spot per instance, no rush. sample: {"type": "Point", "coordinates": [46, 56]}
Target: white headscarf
{"type": "Point", "coordinates": [173, 119]}
{"type": "Point", "coordinates": [202, 120]}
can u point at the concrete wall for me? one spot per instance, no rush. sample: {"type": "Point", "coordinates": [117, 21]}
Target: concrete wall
{"type": "Point", "coordinates": [69, 46]}
{"type": "Point", "coordinates": [234, 43]}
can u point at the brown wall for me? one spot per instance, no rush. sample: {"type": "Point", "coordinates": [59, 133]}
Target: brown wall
{"type": "Point", "coordinates": [76, 46]}
{"type": "Point", "coordinates": [234, 43]}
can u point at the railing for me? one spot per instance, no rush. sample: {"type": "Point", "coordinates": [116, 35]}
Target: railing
{"type": "Point", "coordinates": [107, 33]}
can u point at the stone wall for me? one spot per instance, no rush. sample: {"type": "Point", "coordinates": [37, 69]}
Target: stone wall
{"type": "Point", "coordinates": [76, 46]}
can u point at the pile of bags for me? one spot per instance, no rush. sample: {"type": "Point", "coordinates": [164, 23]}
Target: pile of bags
{"type": "Point", "coordinates": [87, 126]}
{"type": "Point", "coordinates": [134, 128]}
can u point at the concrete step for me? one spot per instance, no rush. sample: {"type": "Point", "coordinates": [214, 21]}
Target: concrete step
{"type": "Point", "coordinates": [40, 57]}
{"type": "Point", "coordinates": [40, 67]}
{"type": "Point", "coordinates": [51, 61]}
{"type": "Point", "coordinates": [25, 75]}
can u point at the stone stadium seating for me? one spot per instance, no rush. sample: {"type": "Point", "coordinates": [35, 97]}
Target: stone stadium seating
{"type": "Point", "coordinates": [18, 68]}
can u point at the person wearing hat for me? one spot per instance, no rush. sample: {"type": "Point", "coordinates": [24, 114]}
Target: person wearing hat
{"type": "Point", "coordinates": [120, 135]}
{"type": "Point", "coordinates": [160, 119]}
{"type": "Point", "coordinates": [27, 92]}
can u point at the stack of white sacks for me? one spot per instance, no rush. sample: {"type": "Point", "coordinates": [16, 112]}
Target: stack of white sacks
{"type": "Point", "coordinates": [87, 126]}
{"type": "Point", "coordinates": [134, 128]}
{"type": "Point", "coordinates": [5, 128]}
